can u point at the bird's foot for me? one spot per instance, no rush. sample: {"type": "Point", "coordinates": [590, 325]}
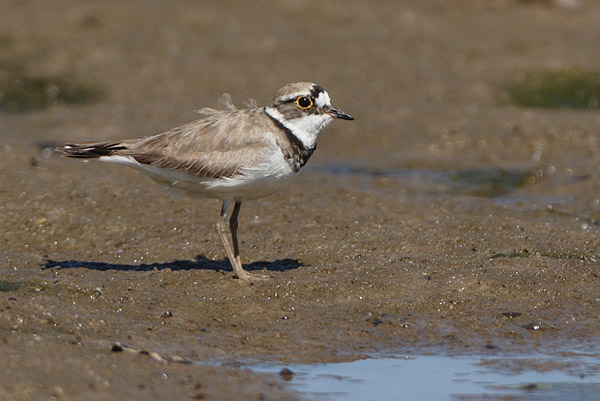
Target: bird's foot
{"type": "Point", "coordinates": [250, 277]}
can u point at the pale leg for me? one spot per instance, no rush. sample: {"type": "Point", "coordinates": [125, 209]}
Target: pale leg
{"type": "Point", "coordinates": [233, 253]}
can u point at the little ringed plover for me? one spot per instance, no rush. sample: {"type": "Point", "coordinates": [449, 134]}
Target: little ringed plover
{"type": "Point", "coordinates": [232, 155]}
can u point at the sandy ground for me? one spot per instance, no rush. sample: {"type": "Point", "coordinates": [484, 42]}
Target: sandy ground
{"type": "Point", "coordinates": [441, 220]}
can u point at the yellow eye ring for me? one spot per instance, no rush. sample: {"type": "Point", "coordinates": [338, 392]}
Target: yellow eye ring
{"type": "Point", "coordinates": [304, 102]}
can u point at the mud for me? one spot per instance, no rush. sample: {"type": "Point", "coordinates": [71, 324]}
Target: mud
{"type": "Point", "coordinates": [441, 220]}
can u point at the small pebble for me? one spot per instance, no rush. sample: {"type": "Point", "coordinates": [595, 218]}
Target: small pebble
{"type": "Point", "coordinates": [286, 374]}
{"type": "Point", "coordinates": [511, 315]}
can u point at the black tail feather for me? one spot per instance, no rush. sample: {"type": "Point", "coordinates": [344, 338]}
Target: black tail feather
{"type": "Point", "coordinates": [90, 150]}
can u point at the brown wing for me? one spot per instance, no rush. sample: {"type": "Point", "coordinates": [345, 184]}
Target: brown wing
{"type": "Point", "coordinates": [218, 145]}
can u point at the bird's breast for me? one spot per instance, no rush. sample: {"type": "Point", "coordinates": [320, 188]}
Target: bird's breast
{"type": "Point", "coordinates": [270, 175]}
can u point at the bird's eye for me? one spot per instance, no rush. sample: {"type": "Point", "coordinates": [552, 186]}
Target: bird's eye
{"type": "Point", "coordinates": [304, 102]}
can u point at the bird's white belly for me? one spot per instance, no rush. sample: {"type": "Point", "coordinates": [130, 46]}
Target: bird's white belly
{"type": "Point", "coordinates": [266, 178]}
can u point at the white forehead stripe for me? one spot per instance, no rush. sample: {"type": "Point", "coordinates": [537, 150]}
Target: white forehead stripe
{"type": "Point", "coordinates": [323, 99]}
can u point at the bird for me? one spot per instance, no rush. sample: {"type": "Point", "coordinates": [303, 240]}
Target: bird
{"type": "Point", "coordinates": [232, 155]}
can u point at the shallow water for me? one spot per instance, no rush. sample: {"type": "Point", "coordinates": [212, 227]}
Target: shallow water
{"type": "Point", "coordinates": [484, 182]}
{"type": "Point", "coordinates": [568, 376]}
{"type": "Point", "coordinates": [533, 189]}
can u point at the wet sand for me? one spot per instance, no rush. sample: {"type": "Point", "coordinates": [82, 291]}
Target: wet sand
{"type": "Point", "coordinates": [441, 220]}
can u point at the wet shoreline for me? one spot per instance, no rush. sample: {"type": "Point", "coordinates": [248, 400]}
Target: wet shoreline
{"type": "Point", "coordinates": [442, 220]}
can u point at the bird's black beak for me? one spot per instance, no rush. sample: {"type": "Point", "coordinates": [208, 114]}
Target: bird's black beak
{"type": "Point", "coordinates": [335, 113]}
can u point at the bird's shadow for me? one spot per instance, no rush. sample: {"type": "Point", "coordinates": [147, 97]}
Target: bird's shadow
{"type": "Point", "coordinates": [200, 263]}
